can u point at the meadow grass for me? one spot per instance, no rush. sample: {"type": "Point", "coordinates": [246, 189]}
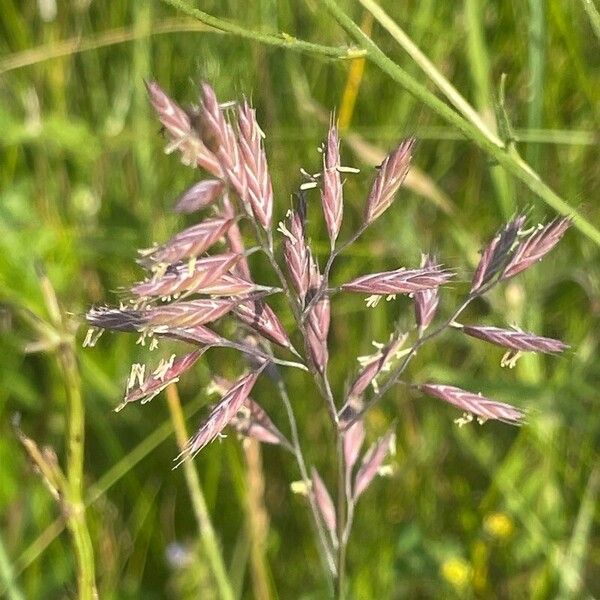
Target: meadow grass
{"type": "Point", "coordinates": [468, 512]}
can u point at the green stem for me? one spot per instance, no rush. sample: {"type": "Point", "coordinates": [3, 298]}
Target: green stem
{"type": "Point", "coordinates": [509, 159]}
{"type": "Point", "coordinates": [7, 575]}
{"type": "Point", "coordinates": [281, 40]}
{"type": "Point", "coordinates": [594, 16]}
{"type": "Point", "coordinates": [205, 527]}
{"type": "Point", "coordinates": [341, 516]}
{"type": "Point", "coordinates": [73, 503]}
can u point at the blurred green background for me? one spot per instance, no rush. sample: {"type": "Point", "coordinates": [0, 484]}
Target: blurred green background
{"type": "Point", "coordinates": [471, 512]}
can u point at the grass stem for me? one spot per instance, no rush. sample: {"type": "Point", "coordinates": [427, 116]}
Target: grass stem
{"type": "Point", "coordinates": [205, 527]}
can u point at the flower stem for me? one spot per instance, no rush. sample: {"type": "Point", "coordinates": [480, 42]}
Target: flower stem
{"type": "Point", "coordinates": [72, 488]}
{"type": "Point", "coordinates": [205, 527]}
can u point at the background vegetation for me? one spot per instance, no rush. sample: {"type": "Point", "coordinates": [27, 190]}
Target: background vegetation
{"type": "Point", "coordinates": [484, 512]}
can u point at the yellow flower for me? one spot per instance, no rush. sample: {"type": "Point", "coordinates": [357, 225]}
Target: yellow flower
{"type": "Point", "coordinates": [457, 572]}
{"type": "Point", "coordinates": [499, 525]}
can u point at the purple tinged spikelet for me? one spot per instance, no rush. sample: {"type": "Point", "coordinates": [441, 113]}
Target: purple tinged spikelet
{"type": "Point", "coordinates": [372, 461]}
{"type": "Point", "coordinates": [199, 196]}
{"type": "Point", "coordinates": [220, 416]}
{"type": "Point", "coordinates": [536, 246]}
{"type": "Point", "coordinates": [496, 254]}
{"type": "Point", "coordinates": [324, 502]}
{"type": "Point", "coordinates": [400, 281]}
{"type": "Point", "coordinates": [199, 334]}
{"type": "Point", "coordinates": [190, 242]}
{"type": "Point", "coordinates": [331, 193]}
{"type": "Point", "coordinates": [167, 372]}
{"type": "Point", "coordinates": [426, 301]}
{"type": "Point", "coordinates": [233, 285]}
{"type": "Point", "coordinates": [219, 136]}
{"type": "Point", "coordinates": [318, 321]}
{"type": "Point", "coordinates": [116, 319]}
{"type": "Point", "coordinates": [391, 175]}
{"type": "Point", "coordinates": [475, 404]}
{"type": "Point", "coordinates": [379, 363]}
{"type": "Point", "coordinates": [261, 317]}
{"type": "Point", "coordinates": [354, 438]}
{"type": "Point", "coordinates": [514, 339]}
{"type": "Point", "coordinates": [179, 128]}
{"type": "Point", "coordinates": [190, 278]}
{"type": "Point", "coordinates": [296, 250]}
{"type": "Point", "coordinates": [258, 187]}
{"type": "Point", "coordinates": [160, 319]}
{"type": "Point", "coordinates": [251, 420]}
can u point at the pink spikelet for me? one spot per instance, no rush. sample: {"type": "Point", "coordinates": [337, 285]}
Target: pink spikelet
{"type": "Point", "coordinates": [317, 322]}
{"type": "Point", "coordinates": [190, 242]}
{"type": "Point", "coordinates": [261, 317]}
{"type": "Point", "coordinates": [324, 502]}
{"type": "Point", "coordinates": [252, 421]}
{"type": "Point", "coordinates": [194, 277]}
{"type": "Point", "coordinates": [514, 339]}
{"type": "Point", "coordinates": [331, 193]}
{"type": "Point", "coordinates": [497, 253]}
{"type": "Point", "coordinates": [536, 246]}
{"type": "Point", "coordinates": [296, 250]}
{"type": "Point", "coordinates": [474, 404]}
{"type": "Point", "coordinates": [426, 301]}
{"type": "Point", "coordinates": [380, 362]}
{"type": "Point", "coordinates": [354, 438]}
{"type": "Point", "coordinates": [392, 172]}
{"type": "Point", "coordinates": [258, 188]}
{"type": "Point", "coordinates": [198, 334]}
{"type": "Point", "coordinates": [372, 462]}
{"type": "Point", "coordinates": [179, 128]}
{"type": "Point", "coordinates": [142, 388]}
{"type": "Point", "coordinates": [400, 281]}
{"type": "Point", "coordinates": [233, 285]}
{"type": "Point", "coordinates": [220, 416]}
{"type": "Point", "coordinates": [199, 196]}
{"type": "Point", "coordinates": [159, 319]}
{"type": "Point", "coordinates": [219, 136]}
